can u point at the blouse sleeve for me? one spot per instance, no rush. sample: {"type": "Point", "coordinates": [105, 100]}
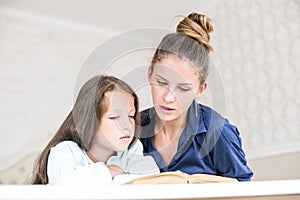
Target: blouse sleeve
{"type": "Point", "coordinates": [229, 157]}
{"type": "Point", "coordinates": [67, 164]}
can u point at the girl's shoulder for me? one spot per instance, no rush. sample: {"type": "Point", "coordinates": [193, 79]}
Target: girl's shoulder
{"type": "Point", "coordinates": [135, 148]}
{"type": "Point", "coordinates": [67, 146]}
{"type": "Point", "coordinates": [68, 150]}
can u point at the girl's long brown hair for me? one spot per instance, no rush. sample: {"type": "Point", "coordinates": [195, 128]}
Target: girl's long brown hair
{"type": "Point", "coordinates": [83, 121]}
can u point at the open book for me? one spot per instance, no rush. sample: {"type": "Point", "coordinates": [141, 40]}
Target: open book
{"type": "Point", "coordinates": [179, 178]}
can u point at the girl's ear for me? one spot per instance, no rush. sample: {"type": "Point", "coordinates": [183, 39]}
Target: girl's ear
{"type": "Point", "coordinates": [201, 89]}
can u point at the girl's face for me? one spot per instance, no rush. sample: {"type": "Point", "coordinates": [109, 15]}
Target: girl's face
{"type": "Point", "coordinates": [174, 85]}
{"type": "Point", "coordinates": [117, 125]}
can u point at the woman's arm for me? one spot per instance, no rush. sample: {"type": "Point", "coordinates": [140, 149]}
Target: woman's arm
{"type": "Point", "coordinates": [229, 157]}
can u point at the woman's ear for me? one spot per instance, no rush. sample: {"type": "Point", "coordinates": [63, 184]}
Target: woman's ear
{"type": "Point", "coordinates": [149, 74]}
{"type": "Point", "coordinates": [201, 89]}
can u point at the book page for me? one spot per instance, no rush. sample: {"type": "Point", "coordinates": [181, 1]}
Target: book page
{"type": "Point", "coordinates": [162, 178]}
{"type": "Point", "coordinates": [202, 178]}
{"type": "Point", "coordinates": [179, 177]}
{"type": "Point", "coordinates": [124, 178]}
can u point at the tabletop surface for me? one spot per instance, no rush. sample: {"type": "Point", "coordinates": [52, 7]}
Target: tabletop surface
{"type": "Point", "coordinates": [240, 190]}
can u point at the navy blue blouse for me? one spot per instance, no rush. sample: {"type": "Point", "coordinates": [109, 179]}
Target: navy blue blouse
{"type": "Point", "coordinates": [209, 144]}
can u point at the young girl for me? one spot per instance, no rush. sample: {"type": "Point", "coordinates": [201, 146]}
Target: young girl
{"type": "Point", "coordinates": [97, 141]}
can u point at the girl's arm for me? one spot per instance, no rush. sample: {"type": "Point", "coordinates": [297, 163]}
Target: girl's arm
{"type": "Point", "coordinates": [115, 170]}
{"type": "Point", "coordinates": [138, 163]}
{"type": "Point", "coordinates": [68, 164]}
{"type": "Point", "coordinates": [134, 163]}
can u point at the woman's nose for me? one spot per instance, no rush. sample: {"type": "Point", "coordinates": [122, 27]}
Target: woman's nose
{"type": "Point", "coordinates": [170, 96]}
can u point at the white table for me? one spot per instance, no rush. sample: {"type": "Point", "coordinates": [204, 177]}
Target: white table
{"type": "Point", "coordinates": [281, 189]}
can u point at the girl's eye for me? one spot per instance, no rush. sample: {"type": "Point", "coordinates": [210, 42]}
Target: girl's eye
{"type": "Point", "coordinates": [131, 116]}
{"type": "Point", "coordinates": [114, 117]}
{"type": "Point", "coordinates": [162, 83]}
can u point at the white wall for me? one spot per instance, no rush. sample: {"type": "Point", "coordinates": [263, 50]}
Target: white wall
{"type": "Point", "coordinates": [255, 54]}
{"type": "Point", "coordinates": [277, 167]}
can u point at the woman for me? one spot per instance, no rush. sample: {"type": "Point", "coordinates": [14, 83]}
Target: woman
{"type": "Point", "coordinates": [96, 144]}
{"type": "Point", "coordinates": [178, 132]}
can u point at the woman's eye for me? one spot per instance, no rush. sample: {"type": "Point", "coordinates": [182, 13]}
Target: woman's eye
{"type": "Point", "coordinates": [131, 116]}
{"type": "Point", "coordinates": [114, 117]}
{"type": "Point", "coordinates": [184, 89]}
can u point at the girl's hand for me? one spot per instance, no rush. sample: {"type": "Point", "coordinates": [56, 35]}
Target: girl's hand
{"type": "Point", "coordinates": [115, 170]}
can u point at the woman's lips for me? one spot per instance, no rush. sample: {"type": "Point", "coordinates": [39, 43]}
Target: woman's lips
{"type": "Point", "coordinates": [166, 109]}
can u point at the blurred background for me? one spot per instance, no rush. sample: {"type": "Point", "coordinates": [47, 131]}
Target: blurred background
{"type": "Point", "coordinates": [46, 48]}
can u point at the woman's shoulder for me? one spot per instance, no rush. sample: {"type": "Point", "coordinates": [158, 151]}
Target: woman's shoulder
{"type": "Point", "coordinates": [213, 119]}
{"type": "Point", "coordinates": [209, 115]}
{"type": "Point", "coordinates": [207, 110]}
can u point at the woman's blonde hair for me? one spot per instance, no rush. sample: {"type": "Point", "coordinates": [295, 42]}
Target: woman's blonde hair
{"type": "Point", "coordinates": [190, 42]}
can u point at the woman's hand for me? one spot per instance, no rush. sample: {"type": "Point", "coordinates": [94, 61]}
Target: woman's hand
{"type": "Point", "coordinates": [115, 170]}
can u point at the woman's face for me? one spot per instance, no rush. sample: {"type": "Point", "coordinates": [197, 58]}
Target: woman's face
{"type": "Point", "coordinates": [174, 85]}
{"type": "Point", "coordinates": [117, 125]}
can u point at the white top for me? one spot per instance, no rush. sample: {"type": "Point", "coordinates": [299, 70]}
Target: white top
{"type": "Point", "coordinates": [69, 164]}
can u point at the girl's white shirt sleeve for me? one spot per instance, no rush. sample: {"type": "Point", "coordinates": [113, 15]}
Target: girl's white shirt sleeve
{"type": "Point", "coordinates": [134, 163]}
{"type": "Point", "coordinates": [69, 164]}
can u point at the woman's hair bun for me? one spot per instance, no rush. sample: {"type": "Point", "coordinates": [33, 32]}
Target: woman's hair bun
{"type": "Point", "coordinates": [197, 26]}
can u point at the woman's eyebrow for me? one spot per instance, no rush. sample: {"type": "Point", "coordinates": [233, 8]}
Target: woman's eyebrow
{"type": "Point", "coordinates": [185, 84]}
{"type": "Point", "coordinates": [159, 76]}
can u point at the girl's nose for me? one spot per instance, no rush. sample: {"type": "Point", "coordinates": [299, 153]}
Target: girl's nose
{"type": "Point", "coordinates": [126, 123]}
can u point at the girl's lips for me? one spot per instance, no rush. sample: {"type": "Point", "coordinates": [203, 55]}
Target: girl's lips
{"type": "Point", "coordinates": [125, 137]}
